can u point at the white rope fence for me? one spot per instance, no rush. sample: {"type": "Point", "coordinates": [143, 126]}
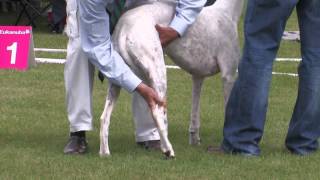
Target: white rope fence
{"type": "Point", "coordinates": [50, 50]}
{"type": "Point", "coordinates": [62, 61]}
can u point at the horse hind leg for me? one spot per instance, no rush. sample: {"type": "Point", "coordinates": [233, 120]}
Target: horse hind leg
{"type": "Point", "coordinates": [194, 127]}
{"type": "Point", "coordinates": [149, 59]}
{"type": "Point", "coordinates": [228, 64]}
{"type": "Point", "coordinates": [158, 83]}
{"type": "Point", "coordinates": [228, 67]}
{"type": "Point", "coordinates": [112, 96]}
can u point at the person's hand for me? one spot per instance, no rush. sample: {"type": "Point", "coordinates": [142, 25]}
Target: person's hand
{"type": "Point", "coordinates": [149, 95]}
{"type": "Point", "coordinates": [166, 34]}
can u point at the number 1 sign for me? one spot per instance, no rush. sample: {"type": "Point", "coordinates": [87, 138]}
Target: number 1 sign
{"type": "Point", "coordinates": [16, 47]}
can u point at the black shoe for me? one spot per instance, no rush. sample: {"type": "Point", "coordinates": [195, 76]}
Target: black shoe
{"type": "Point", "coordinates": [150, 145]}
{"type": "Point", "coordinates": [76, 145]}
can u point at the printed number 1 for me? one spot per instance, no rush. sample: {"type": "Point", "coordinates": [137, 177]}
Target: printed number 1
{"type": "Point", "coordinates": [13, 49]}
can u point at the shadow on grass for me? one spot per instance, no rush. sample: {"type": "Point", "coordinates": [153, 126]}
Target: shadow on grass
{"type": "Point", "coordinates": [43, 144]}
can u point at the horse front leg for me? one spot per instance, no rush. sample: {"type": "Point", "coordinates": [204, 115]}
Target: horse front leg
{"type": "Point", "coordinates": [194, 127]}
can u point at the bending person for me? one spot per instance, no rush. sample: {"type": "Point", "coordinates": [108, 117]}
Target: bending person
{"type": "Point", "coordinates": [93, 35]}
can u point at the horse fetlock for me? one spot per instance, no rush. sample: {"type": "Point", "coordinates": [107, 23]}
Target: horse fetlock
{"type": "Point", "coordinates": [104, 152]}
{"type": "Point", "coordinates": [194, 138]}
{"type": "Point", "coordinates": [169, 154]}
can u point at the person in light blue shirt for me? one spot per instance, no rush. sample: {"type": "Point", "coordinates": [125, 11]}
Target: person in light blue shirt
{"type": "Point", "coordinates": [95, 41]}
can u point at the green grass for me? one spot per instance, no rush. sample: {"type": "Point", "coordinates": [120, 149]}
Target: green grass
{"type": "Point", "coordinates": [34, 129]}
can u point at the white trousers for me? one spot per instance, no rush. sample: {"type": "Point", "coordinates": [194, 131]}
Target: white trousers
{"type": "Point", "coordinates": [79, 76]}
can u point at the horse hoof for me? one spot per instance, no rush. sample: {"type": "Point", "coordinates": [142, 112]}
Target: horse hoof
{"type": "Point", "coordinates": [169, 155]}
{"type": "Point", "coordinates": [104, 154]}
{"type": "Point", "coordinates": [195, 143]}
{"type": "Point", "coordinates": [194, 139]}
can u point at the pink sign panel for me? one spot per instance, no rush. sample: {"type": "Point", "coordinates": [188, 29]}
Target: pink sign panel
{"type": "Point", "coordinates": [14, 47]}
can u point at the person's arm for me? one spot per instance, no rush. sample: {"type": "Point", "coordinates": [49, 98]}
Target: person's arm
{"type": "Point", "coordinates": [186, 13]}
{"type": "Point", "coordinates": [150, 96]}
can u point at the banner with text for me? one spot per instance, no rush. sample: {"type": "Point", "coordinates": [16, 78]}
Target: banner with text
{"type": "Point", "coordinates": [16, 47]}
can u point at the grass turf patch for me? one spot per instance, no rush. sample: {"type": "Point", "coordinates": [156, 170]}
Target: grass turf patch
{"type": "Point", "coordinates": [34, 129]}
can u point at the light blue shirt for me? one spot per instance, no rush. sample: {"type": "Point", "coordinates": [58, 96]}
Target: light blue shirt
{"type": "Point", "coordinates": [96, 43]}
{"type": "Point", "coordinates": [186, 12]}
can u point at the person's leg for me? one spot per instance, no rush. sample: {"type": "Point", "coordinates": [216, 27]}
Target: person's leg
{"type": "Point", "coordinates": [79, 75]}
{"type": "Point", "coordinates": [247, 106]}
{"type": "Point", "coordinates": [4, 6]}
{"type": "Point", "coordinates": [304, 128]}
{"type": "Point", "coordinates": [146, 131]}
{"type": "Point", "coordinates": [58, 15]}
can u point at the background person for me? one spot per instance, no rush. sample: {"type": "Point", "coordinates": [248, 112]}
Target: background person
{"type": "Point", "coordinates": [58, 15]}
{"type": "Point", "coordinates": [246, 110]}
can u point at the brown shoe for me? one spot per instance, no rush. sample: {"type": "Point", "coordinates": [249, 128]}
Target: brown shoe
{"type": "Point", "coordinates": [76, 145]}
{"type": "Point", "coordinates": [215, 150]}
{"type": "Point", "coordinates": [219, 151]}
{"type": "Point", "coordinates": [150, 145]}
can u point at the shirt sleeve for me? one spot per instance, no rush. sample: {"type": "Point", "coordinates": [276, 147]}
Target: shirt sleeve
{"type": "Point", "coordinates": [186, 13]}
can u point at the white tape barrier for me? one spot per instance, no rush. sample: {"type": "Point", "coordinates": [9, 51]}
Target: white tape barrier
{"type": "Point", "coordinates": [289, 59]}
{"type": "Point", "coordinates": [50, 61]}
{"type": "Point", "coordinates": [64, 51]}
{"type": "Point", "coordinates": [285, 74]}
{"type": "Point", "coordinates": [62, 61]}
{"type": "Point", "coordinates": [50, 50]}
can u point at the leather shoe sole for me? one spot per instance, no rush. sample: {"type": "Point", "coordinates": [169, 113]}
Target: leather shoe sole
{"type": "Point", "coordinates": [215, 150]}
{"type": "Point", "coordinates": [150, 145]}
{"type": "Point", "coordinates": [220, 151]}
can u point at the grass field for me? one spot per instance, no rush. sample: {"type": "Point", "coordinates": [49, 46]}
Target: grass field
{"type": "Point", "coordinates": [34, 128]}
